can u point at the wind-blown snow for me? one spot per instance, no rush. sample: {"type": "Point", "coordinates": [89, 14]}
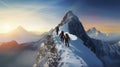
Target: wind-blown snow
{"type": "Point", "coordinates": [77, 55]}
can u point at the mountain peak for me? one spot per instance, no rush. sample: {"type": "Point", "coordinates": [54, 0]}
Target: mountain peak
{"type": "Point", "coordinates": [68, 17]}
{"type": "Point", "coordinates": [70, 13]}
{"type": "Point", "coordinates": [73, 24]}
{"type": "Point", "coordinates": [20, 28]}
{"type": "Point", "coordinates": [94, 32]}
{"type": "Point", "coordinates": [93, 29]}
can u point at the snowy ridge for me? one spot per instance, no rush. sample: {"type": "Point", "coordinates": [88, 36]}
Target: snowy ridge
{"type": "Point", "coordinates": [79, 38]}
{"type": "Point", "coordinates": [77, 55]}
{"type": "Point", "coordinates": [69, 59]}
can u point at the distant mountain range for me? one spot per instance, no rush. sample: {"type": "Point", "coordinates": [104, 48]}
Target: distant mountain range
{"type": "Point", "coordinates": [15, 54]}
{"type": "Point", "coordinates": [96, 34]}
{"type": "Point", "coordinates": [9, 46]}
{"type": "Point", "coordinates": [20, 35]}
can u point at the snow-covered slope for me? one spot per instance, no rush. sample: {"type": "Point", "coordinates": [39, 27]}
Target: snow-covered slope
{"type": "Point", "coordinates": [72, 24]}
{"type": "Point", "coordinates": [107, 47]}
{"type": "Point", "coordinates": [107, 52]}
{"type": "Point", "coordinates": [83, 51]}
{"type": "Point", "coordinates": [77, 55]}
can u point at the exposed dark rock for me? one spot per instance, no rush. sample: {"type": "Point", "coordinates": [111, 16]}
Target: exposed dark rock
{"type": "Point", "coordinates": [76, 28]}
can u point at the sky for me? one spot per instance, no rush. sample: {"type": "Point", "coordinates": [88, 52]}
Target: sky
{"type": "Point", "coordinates": [42, 15]}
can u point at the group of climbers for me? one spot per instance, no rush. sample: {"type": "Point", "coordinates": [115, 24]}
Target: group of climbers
{"type": "Point", "coordinates": [64, 37]}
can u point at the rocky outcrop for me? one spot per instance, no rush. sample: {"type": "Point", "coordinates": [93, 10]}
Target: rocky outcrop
{"type": "Point", "coordinates": [47, 55]}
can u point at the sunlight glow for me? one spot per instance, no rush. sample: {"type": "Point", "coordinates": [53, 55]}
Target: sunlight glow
{"type": "Point", "coordinates": [6, 28]}
{"type": "Point", "coordinates": [31, 20]}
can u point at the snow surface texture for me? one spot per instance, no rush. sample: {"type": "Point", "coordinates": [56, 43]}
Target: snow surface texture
{"type": "Point", "coordinates": [77, 55]}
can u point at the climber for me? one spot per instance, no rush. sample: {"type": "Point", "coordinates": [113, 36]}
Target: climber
{"type": "Point", "coordinates": [66, 39]}
{"type": "Point", "coordinates": [57, 30]}
{"type": "Point", "coordinates": [62, 35]}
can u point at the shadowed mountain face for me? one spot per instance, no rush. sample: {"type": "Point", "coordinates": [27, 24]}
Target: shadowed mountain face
{"type": "Point", "coordinates": [75, 27]}
{"type": "Point", "coordinates": [107, 52]}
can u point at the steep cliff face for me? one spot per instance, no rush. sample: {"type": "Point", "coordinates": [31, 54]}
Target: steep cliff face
{"type": "Point", "coordinates": [75, 27]}
{"type": "Point", "coordinates": [47, 55]}
{"type": "Point", "coordinates": [108, 53]}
